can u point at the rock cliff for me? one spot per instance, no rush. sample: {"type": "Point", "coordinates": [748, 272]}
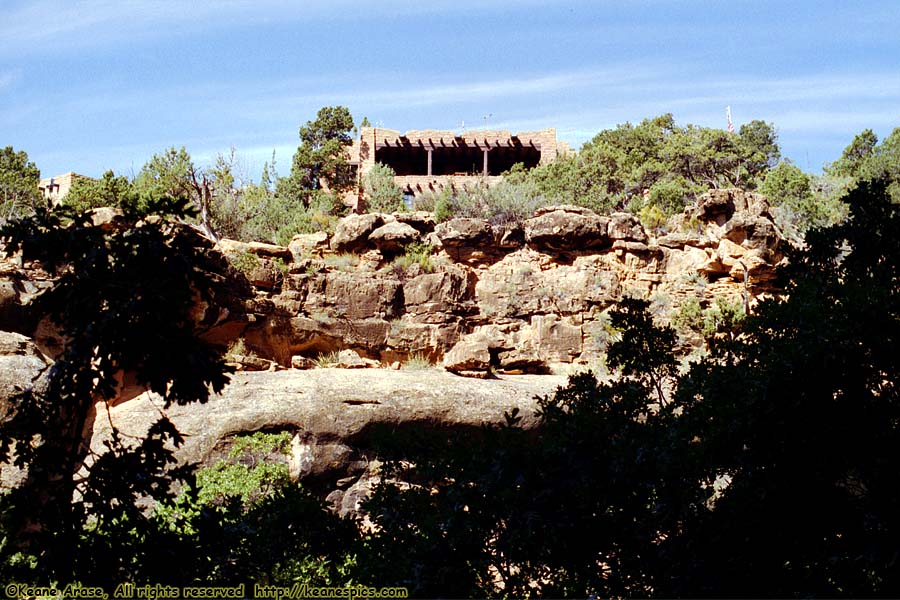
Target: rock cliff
{"type": "Point", "coordinates": [480, 299]}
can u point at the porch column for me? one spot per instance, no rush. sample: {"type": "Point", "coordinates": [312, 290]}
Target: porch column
{"type": "Point", "coordinates": [429, 150]}
{"type": "Point", "coordinates": [485, 163]}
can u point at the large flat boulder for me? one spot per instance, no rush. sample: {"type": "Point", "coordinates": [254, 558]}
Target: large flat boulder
{"type": "Point", "coordinates": [563, 230]}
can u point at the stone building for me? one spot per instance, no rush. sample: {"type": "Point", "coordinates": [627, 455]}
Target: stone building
{"type": "Point", "coordinates": [428, 160]}
{"type": "Point", "coordinates": [54, 189]}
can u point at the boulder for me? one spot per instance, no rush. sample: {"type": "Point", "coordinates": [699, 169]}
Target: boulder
{"type": "Point", "coordinates": [352, 232]}
{"type": "Point", "coordinates": [564, 230]}
{"type": "Point", "coordinates": [298, 361]}
{"type": "Point", "coordinates": [469, 354]}
{"type": "Point", "coordinates": [21, 365]}
{"type": "Point", "coordinates": [391, 238]}
{"type": "Point", "coordinates": [328, 409]}
{"type": "Point", "coordinates": [420, 220]}
{"type": "Point", "coordinates": [464, 232]}
{"type": "Point", "coordinates": [350, 359]}
{"type": "Point", "coordinates": [262, 249]}
{"type": "Point", "coordinates": [304, 245]}
{"type": "Point", "coordinates": [626, 227]}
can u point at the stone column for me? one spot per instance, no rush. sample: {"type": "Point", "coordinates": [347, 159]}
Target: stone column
{"type": "Point", "coordinates": [429, 150]}
{"type": "Point", "coordinates": [485, 162]}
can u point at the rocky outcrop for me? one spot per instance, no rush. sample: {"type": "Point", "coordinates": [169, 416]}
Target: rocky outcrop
{"type": "Point", "coordinates": [539, 287]}
{"type": "Point", "coordinates": [334, 415]}
{"type": "Point", "coordinates": [567, 228]}
{"type": "Point", "coordinates": [490, 302]}
{"type": "Point", "coordinates": [492, 297]}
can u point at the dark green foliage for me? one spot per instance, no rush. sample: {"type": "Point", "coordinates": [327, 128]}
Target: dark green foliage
{"type": "Point", "coordinates": [321, 158]}
{"type": "Point", "coordinates": [124, 300]}
{"type": "Point", "coordinates": [772, 470]}
{"type": "Point", "coordinates": [382, 194]}
{"type": "Point", "coordinates": [611, 172]}
{"type": "Point", "coordinates": [797, 205]}
{"type": "Point", "coordinates": [111, 190]}
{"type": "Point", "coordinates": [866, 159]}
{"type": "Point", "coordinates": [569, 511]}
{"type": "Point", "coordinates": [19, 178]}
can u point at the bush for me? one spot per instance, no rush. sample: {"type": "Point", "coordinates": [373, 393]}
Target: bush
{"type": "Point", "coordinates": [419, 254]}
{"type": "Point", "coordinates": [382, 194]}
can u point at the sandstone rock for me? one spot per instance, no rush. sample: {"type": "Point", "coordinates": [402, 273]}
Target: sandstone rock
{"type": "Point", "coordinates": [307, 244]}
{"type": "Point", "coordinates": [558, 337]}
{"type": "Point", "coordinates": [435, 292]}
{"type": "Point", "coordinates": [420, 220]}
{"type": "Point", "coordinates": [464, 232]}
{"type": "Point", "coordinates": [331, 407]}
{"type": "Point", "coordinates": [107, 218]}
{"type": "Point", "coordinates": [627, 227]}
{"type": "Point", "coordinates": [21, 364]}
{"type": "Point", "coordinates": [509, 236]}
{"type": "Point", "coordinates": [358, 296]}
{"type": "Point", "coordinates": [564, 230]}
{"type": "Point", "coordinates": [753, 232]}
{"type": "Point", "coordinates": [680, 239]}
{"type": "Point", "coordinates": [353, 231]}
{"type": "Point", "coordinates": [569, 208]}
{"type": "Point", "coordinates": [392, 237]}
{"type": "Point", "coordinates": [469, 354]}
{"type": "Point", "coordinates": [298, 361]}
{"type": "Point", "coordinates": [262, 249]}
{"type": "Point", "coordinates": [350, 359]}
{"type": "Point", "coordinates": [251, 363]}
{"type": "Point", "coordinates": [719, 206]}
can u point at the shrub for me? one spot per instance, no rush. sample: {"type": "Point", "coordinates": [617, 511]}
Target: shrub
{"type": "Point", "coordinates": [382, 194]}
{"type": "Point", "coordinates": [418, 361]}
{"type": "Point", "coordinates": [245, 262]}
{"type": "Point", "coordinates": [419, 253]}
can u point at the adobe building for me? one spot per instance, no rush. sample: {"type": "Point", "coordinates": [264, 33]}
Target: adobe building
{"type": "Point", "coordinates": [428, 160]}
{"type": "Point", "coordinates": [54, 189]}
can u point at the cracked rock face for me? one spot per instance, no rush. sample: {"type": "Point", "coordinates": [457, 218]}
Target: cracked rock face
{"type": "Point", "coordinates": [334, 415]}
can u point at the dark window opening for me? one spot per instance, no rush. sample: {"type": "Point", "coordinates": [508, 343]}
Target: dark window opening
{"type": "Point", "coordinates": [457, 160]}
{"type": "Point", "coordinates": [405, 160]}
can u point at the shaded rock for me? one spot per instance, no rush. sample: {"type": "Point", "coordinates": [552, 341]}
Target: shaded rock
{"type": "Point", "coordinates": [21, 365]}
{"type": "Point", "coordinates": [331, 406]}
{"type": "Point", "coordinates": [107, 218]}
{"type": "Point", "coordinates": [353, 231]}
{"type": "Point", "coordinates": [420, 220]}
{"type": "Point", "coordinates": [508, 236]}
{"type": "Point", "coordinates": [625, 226]}
{"type": "Point", "coordinates": [464, 232]}
{"type": "Point", "coordinates": [392, 237]}
{"type": "Point", "coordinates": [563, 230]}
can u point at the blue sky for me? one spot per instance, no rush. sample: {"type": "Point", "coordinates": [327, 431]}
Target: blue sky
{"type": "Point", "coordinates": [87, 86]}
